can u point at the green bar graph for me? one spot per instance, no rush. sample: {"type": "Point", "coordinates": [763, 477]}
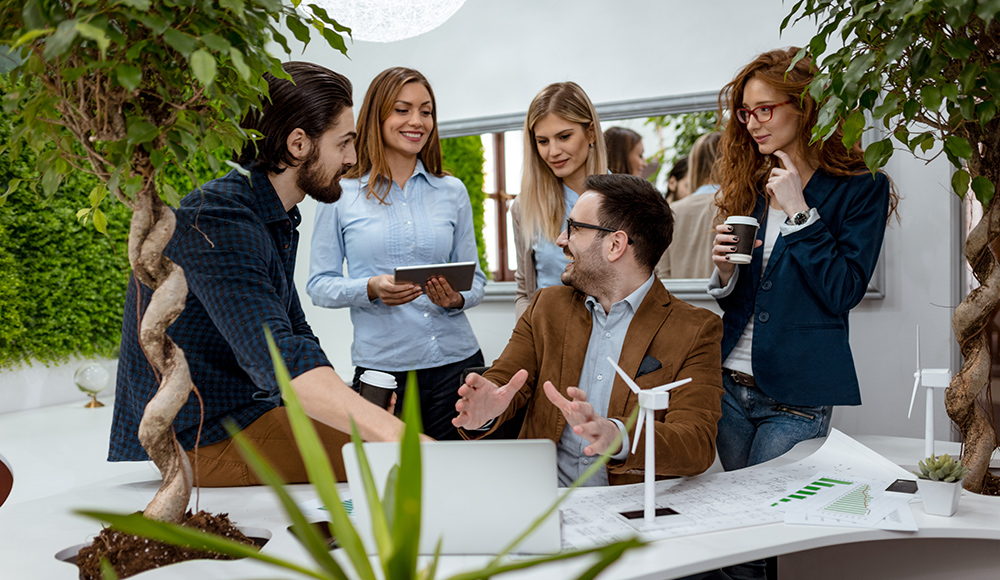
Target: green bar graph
{"type": "Point", "coordinates": [853, 503]}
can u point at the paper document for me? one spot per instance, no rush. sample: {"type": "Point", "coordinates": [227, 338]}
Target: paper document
{"type": "Point", "coordinates": [735, 499]}
{"type": "Point", "coordinates": [823, 499]}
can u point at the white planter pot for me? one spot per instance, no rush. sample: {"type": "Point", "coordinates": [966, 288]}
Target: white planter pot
{"type": "Point", "coordinates": [940, 498]}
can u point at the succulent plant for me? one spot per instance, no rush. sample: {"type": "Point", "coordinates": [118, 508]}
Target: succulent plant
{"type": "Point", "coordinates": [941, 468]}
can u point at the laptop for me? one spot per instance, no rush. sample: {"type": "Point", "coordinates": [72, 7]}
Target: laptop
{"type": "Point", "coordinates": [477, 495]}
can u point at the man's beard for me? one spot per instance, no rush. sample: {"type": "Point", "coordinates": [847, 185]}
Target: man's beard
{"type": "Point", "coordinates": [586, 276]}
{"type": "Point", "coordinates": [310, 179]}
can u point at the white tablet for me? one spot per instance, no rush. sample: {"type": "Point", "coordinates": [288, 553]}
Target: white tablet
{"type": "Point", "coordinates": [459, 274]}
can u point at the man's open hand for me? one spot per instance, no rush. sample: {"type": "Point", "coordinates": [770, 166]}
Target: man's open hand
{"type": "Point", "coordinates": [583, 419]}
{"type": "Point", "coordinates": [481, 400]}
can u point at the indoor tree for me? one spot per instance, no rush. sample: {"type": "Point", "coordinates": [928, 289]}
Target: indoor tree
{"type": "Point", "coordinates": [928, 71]}
{"type": "Point", "coordinates": [124, 89]}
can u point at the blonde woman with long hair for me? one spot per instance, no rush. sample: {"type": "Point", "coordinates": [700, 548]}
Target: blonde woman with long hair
{"type": "Point", "coordinates": [399, 208]}
{"type": "Point", "coordinates": [563, 144]}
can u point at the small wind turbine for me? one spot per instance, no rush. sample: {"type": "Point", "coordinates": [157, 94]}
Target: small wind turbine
{"type": "Point", "coordinates": [655, 399]}
{"type": "Point", "coordinates": [932, 379]}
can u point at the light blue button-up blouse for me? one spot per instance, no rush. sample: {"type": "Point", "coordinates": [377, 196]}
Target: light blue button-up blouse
{"type": "Point", "coordinates": [429, 221]}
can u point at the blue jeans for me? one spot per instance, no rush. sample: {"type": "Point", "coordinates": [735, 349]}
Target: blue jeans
{"type": "Point", "coordinates": [755, 428]}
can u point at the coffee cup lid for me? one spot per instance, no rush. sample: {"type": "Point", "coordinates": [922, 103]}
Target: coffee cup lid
{"type": "Point", "coordinates": [743, 220]}
{"type": "Point", "coordinates": [379, 379]}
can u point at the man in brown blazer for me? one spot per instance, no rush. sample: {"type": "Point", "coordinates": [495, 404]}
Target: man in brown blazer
{"type": "Point", "coordinates": [611, 305]}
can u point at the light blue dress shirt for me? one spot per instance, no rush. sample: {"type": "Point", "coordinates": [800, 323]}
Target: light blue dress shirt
{"type": "Point", "coordinates": [550, 260]}
{"type": "Point", "coordinates": [607, 335]}
{"type": "Point", "coordinates": [429, 221]}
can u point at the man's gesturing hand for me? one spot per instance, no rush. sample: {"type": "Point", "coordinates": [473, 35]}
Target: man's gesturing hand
{"type": "Point", "coordinates": [586, 423]}
{"type": "Point", "coordinates": [482, 400]}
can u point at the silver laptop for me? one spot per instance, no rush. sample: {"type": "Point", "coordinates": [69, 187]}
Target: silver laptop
{"type": "Point", "coordinates": [477, 495]}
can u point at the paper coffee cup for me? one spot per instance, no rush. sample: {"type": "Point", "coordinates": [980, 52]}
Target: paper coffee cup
{"type": "Point", "coordinates": [745, 228]}
{"type": "Point", "coordinates": [377, 387]}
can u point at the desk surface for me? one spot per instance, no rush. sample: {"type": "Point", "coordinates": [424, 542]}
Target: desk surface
{"type": "Point", "coordinates": [58, 459]}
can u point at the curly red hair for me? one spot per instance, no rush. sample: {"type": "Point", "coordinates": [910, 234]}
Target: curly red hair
{"type": "Point", "coordinates": [741, 167]}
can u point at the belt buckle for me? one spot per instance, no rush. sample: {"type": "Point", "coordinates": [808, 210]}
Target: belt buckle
{"type": "Point", "coordinates": [742, 379]}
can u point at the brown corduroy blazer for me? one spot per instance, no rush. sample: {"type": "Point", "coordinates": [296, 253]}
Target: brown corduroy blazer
{"type": "Point", "coordinates": [550, 342]}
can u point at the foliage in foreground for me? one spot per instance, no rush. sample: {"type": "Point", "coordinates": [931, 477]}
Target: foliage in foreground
{"type": "Point", "coordinates": [395, 518]}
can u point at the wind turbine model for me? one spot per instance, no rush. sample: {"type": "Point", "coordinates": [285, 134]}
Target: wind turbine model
{"type": "Point", "coordinates": [655, 399]}
{"type": "Point", "coordinates": [932, 379]}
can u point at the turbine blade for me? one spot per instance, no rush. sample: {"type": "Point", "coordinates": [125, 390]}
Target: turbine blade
{"type": "Point", "coordinates": [638, 427]}
{"type": "Point", "coordinates": [628, 380]}
{"type": "Point", "coordinates": [669, 386]}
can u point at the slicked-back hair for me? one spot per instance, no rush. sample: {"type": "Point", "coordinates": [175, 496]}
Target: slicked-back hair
{"type": "Point", "coordinates": [311, 101]}
{"type": "Point", "coordinates": [634, 205]}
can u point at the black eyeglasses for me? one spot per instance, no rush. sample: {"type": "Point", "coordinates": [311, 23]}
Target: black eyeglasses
{"type": "Point", "coordinates": [762, 113]}
{"type": "Point", "coordinates": [570, 224]}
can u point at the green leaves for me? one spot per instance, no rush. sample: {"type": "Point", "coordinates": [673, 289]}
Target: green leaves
{"type": "Point", "coordinates": [140, 130]}
{"type": "Point", "coordinates": [180, 42]}
{"type": "Point", "coordinates": [854, 126]}
{"type": "Point", "coordinates": [128, 76]}
{"type": "Point", "coordinates": [204, 66]}
{"type": "Point", "coordinates": [877, 154]}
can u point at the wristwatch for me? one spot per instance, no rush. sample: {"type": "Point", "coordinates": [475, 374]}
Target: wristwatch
{"type": "Point", "coordinates": [799, 218]}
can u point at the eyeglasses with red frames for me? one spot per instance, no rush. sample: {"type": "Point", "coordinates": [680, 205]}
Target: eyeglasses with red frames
{"type": "Point", "coordinates": [762, 113]}
{"type": "Point", "coordinates": [570, 224]}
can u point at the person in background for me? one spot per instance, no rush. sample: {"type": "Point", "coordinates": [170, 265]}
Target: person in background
{"type": "Point", "coordinates": [625, 151]}
{"type": "Point", "coordinates": [563, 144]}
{"type": "Point", "coordinates": [690, 256]}
{"type": "Point", "coordinates": [678, 186]}
{"type": "Point", "coordinates": [400, 209]}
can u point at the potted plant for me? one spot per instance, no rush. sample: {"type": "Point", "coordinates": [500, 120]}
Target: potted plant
{"type": "Point", "coordinates": [940, 484]}
{"type": "Point", "coordinates": [395, 516]}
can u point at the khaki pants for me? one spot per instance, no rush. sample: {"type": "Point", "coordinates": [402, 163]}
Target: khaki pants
{"type": "Point", "coordinates": [221, 464]}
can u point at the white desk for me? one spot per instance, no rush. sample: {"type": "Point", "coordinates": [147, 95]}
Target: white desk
{"type": "Point", "coordinates": [58, 457]}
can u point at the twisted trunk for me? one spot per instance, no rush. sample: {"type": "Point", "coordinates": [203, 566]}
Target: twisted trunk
{"type": "Point", "coordinates": [969, 325]}
{"type": "Point", "coordinates": [151, 229]}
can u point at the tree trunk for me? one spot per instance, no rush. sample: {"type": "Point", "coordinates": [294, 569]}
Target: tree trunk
{"type": "Point", "coordinates": [151, 229]}
{"type": "Point", "coordinates": [969, 325]}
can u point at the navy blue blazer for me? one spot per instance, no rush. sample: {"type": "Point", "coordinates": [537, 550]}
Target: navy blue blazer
{"type": "Point", "coordinates": [800, 353]}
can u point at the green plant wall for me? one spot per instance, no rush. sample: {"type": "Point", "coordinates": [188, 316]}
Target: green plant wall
{"type": "Point", "coordinates": [463, 157]}
{"type": "Point", "coordinates": [62, 283]}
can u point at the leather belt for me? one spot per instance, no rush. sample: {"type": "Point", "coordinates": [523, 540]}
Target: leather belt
{"type": "Point", "coordinates": [742, 379]}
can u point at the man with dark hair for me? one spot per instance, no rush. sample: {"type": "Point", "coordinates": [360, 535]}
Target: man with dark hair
{"type": "Point", "coordinates": [612, 306]}
{"type": "Point", "coordinates": [236, 239]}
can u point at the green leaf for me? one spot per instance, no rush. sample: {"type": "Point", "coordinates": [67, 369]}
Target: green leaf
{"type": "Point", "coordinates": [239, 62]}
{"type": "Point", "coordinates": [179, 41]}
{"type": "Point", "coordinates": [141, 5]}
{"type": "Point", "coordinates": [406, 517]}
{"type": "Point", "coordinates": [930, 96]}
{"type": "Point", "coordinates": [984, 190]}
{"type": "Point", "coordinates": [959, 48]}
{"type": "Point", "coordinates": [171, 194]}
{"type": "Point", "coordinates": [967, 78]}
{"type": "Point", "coordinates": [50, 181]}
{"type": "Point", "coordinates": [11, 188]}
{"type": "Point", "coordinates": [877, 154]}
{"type": "Point", "coordinates": [98, 194]}
{"type": "Point", "coordinates": [204, 66]}
{"type": "Point", "coordinates": [100, 221]}
{"type": "Point", "coordinates": [129, 76]}
{"type": "Point", "coordinates": [950, 92]}
{"type": "Point", "coordinates": [888, 107]}
{"type": "Point", "coordinates": [854, 126]}
{"type": "Point", "coordinates": [988, 10]}
{"type": "Point", "coordinates": [301, 31]}
{"type": "Point", "coordinates": [317, 466]}
{"type": "Point", "coordinates": [958, 146]}
{"type": "Point", "coordinates": [986, 111]}
{"type": "Point", "coordinates": [334, 40]}
{"type": "Point", "coordinates": [94, 33]}
{"type": "Point", "coordinates": [968, 107]}
{"type": "Point", "coordinates": [30, 35]}
{"type": "Point", "coordinates": [60, 41]}
{"type": "Point", "coordinates": [141, 131]}
{"type": "Point", "coordinates": [910, 109]}
{"type": "Point", "coordinates": [380, 526]}
{"type": "Point", "coordinates": [235, 6]}
{"type": "Point", "coordinates": [216, 43]}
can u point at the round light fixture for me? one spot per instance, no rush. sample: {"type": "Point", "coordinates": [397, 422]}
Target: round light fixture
{"type": "Point", "coordinates": [390, 20]}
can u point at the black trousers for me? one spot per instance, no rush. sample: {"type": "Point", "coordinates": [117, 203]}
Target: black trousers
{"type": "Point", "coordinates": [438, 388]}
